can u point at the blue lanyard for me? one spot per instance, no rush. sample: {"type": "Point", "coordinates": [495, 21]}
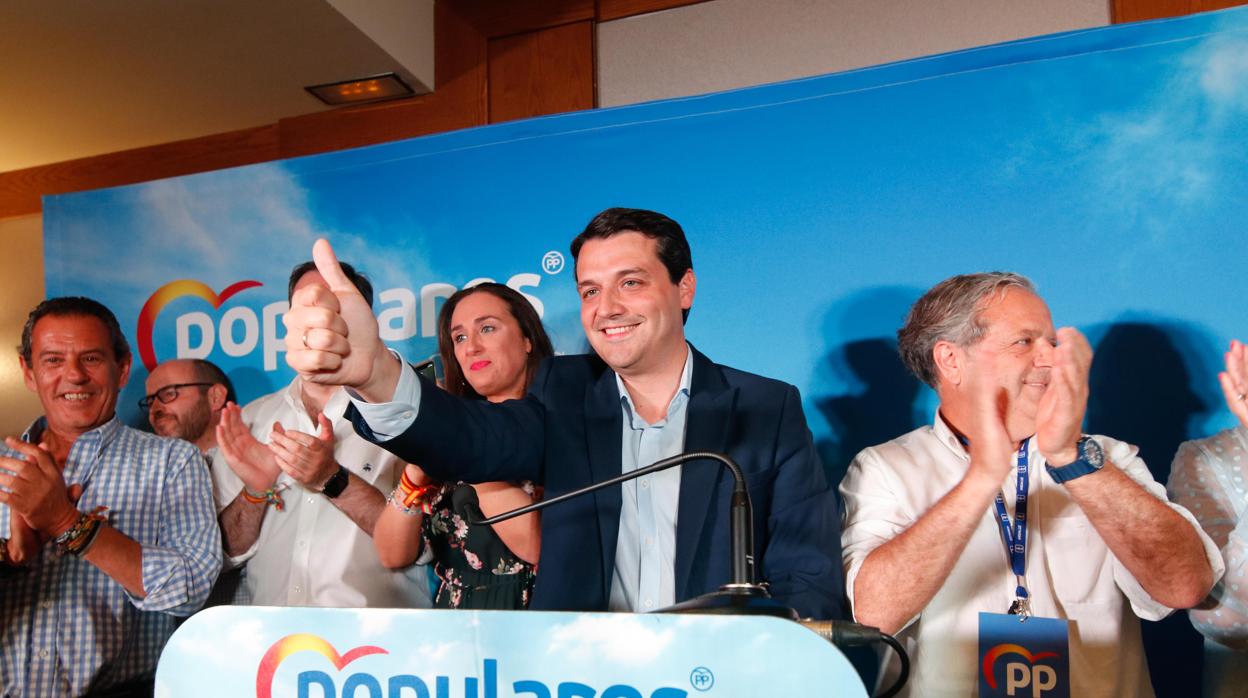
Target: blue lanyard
{"type": "Point", "coordinates": [1015, 537]}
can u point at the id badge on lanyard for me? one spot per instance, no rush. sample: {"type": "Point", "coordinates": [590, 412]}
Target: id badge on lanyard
{"type": "Point", "coordinates": [1019, 654]}
{"type": "Point", "coordinates": [1015, 536]}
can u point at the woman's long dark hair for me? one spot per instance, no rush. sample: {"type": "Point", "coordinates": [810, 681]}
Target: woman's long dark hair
{"type": "Point", "coordinates": [521, 310]}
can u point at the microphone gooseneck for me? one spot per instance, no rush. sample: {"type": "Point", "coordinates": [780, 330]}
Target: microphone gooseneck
{"type": "Point", "coordinates": [742, 595]}
{"type": "Point", "coordinates": [742, 521]}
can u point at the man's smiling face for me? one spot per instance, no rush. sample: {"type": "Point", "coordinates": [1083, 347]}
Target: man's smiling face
{"type": "Point", "coordinates": [630, 308]}
{"type": "Point", "coordinates": [74, 371]}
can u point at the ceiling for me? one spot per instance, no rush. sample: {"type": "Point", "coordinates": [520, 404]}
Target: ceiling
{"type": "Point", "coordinates": [87, 78]}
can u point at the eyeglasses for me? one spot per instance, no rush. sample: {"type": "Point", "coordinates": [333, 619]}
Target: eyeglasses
{"type": "Point", "coordinates": [167, 394]}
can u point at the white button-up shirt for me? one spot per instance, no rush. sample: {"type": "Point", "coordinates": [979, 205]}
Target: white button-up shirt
{"type": "Point", "coordinates": [1071, 573]}
{"type": "Point", "coordinates": [311, 553]}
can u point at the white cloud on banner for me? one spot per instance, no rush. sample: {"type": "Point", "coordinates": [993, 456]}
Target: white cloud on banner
{"type": "Point", "coordinates": [221, 227]}
{"type": "Point", "coordinates": [1224, 77]}
{"type": "Point", "coordinates": [435, 656]}
{"type": "Point", "coordinates": [259, 209]}
{"type": "Point", "coordinates": [620, 639]}
{"type": "Point", "coordinates": [1152, 163]}
{"type": "Point", "coordinates": [221, 645]}
{"type": "Point", "coordinates": [374, 623]}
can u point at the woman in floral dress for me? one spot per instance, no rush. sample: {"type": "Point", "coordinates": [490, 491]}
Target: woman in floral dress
{"type": "Point", "coordinates": [491, 341]}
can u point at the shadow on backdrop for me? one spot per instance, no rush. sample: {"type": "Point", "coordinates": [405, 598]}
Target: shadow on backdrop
{"type": "Point", "coordinates": [1151, 383]}
{"type": "Point", "coordinates": [861, 387]}
{"type": "Point", "coordinates": [864, 392]}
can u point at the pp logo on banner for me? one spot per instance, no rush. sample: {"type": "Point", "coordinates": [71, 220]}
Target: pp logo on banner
{"type": "Point", "coordinates": [1023, 659]}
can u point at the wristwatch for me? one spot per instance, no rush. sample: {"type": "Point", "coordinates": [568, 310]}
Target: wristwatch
{"type": "Point", "coordinates": [336, 483]}
{"type": "Point", "coordinates": [1091, 459]}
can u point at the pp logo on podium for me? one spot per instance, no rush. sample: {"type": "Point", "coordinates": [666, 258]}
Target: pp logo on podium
{"type": "Point", "coordinates": [701, 679]}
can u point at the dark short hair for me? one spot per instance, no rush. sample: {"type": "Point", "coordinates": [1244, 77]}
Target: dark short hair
{"type": "Point", "coordinates": [360, 281]}
{"type": "Point", "coordinates": [672, 246]}
{"type": "Point", "coordinates": [524, 313]}
{"type": "Point", "coordinates": [950, 311]}
{"type": "Point", "coordinates": [208, 372]}
{"type": "Point", "coordinates": [71, 306]}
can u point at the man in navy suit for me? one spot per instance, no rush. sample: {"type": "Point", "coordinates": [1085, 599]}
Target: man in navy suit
{"type": "Point", "coordinates": [644, 394]}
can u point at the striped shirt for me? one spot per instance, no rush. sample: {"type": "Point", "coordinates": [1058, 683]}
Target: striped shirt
{"type": "Point", "coordinates": [65, 626]}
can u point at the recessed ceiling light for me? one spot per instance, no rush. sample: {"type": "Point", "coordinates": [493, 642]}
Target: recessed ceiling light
{"type": "Point", "coordinates": [370, 89]}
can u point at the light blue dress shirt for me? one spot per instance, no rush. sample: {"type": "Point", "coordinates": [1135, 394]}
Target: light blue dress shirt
{"type": "Point", "coordinates": [645, 574]}
{"type": "Point", "coordinates": [645, 550]}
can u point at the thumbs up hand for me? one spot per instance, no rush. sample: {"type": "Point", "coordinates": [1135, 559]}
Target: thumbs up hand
{"type": "Point", "coordinates": [331, 334]}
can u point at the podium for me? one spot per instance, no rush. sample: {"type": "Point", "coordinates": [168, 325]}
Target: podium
{"type": "Point", "coordinates": [392, 653]}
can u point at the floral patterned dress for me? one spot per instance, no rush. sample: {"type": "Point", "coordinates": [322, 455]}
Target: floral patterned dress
{"type": "Point", "coordinates": [475, 568]}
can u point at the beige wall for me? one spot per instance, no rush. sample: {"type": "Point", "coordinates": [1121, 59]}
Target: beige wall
{"type": "Point", "coordinates": [726, 44]}
{"type": "Point", "coordinates": [21, 287]}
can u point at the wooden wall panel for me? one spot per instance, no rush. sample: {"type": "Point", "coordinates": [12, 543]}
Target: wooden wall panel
{"type": "Point", "coordinates": [1138, 10]}
{"type": "Point", "coordinates": [20, 190]}
{"type": "Point", "coordinates": [616, 9]}
{"type": "Point", "coordinates": [498, 18]}
{"type": "Point", "coordinates": [542, 72]}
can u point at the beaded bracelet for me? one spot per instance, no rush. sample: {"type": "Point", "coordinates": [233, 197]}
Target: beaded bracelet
{"type": "Point", "coordinates": [413, 499]}
{"type": "Point", "coordinates": [78, 539]}
{"type": "Point", "coordinates": [270, 496]}
{"type": "Point", "coordinates": [397, 503]}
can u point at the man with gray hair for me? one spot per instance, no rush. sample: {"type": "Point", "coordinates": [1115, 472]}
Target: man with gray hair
{"type": "Point", "coordinates": [949, 521]}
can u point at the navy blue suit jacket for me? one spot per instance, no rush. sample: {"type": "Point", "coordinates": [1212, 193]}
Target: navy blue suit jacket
{"type": "Point", "coordinates": [566, 434]}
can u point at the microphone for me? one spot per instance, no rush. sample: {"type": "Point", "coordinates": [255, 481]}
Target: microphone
{"type": "Point", "coordinates": [742, 595]}
{"type": "Point", "coordinates": [741, 570]}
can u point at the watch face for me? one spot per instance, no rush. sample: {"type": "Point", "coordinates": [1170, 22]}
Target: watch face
{"type": "Point", "coordinates": [336, 484]}
{"type": "Point", "coordinates": [1092, 452]}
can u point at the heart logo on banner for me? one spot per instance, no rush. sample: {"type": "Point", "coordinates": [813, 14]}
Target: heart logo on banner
{"type": "Point", "coordinates": [167, 293]}
{"type": "Point", "coordinates": [299, 642]}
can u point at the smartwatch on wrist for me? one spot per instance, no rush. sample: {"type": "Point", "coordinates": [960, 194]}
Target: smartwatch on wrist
{"type": "Point", "coordinates": [336, 483]}
{"type": "Point", "coordinates": [1091, 459]}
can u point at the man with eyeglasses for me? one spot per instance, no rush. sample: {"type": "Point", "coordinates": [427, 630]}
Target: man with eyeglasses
{"type": "Point", "coordinates": [185, 398]}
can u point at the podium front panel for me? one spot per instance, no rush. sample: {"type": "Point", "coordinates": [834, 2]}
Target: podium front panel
{"type": "Point", "coordinates": [384, 653]}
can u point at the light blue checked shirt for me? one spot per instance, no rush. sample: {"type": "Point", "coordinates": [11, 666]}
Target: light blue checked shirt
{"type": "Point", "coordinates": [65, 626]}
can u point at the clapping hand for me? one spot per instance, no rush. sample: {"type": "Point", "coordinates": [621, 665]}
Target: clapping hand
{"type": "Point", "coordinates": [36, 490]}
{"type": "Point", "coordinates": [307, 459]}
{"type": "Point", "coordinates": [250, 460]}
{"type": "Point", "coordinates": [1059, 416]}
{"type": "Point", "coordinates": [990, 445]}
{"type": "Point", "coordinates": [1234, 381]}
